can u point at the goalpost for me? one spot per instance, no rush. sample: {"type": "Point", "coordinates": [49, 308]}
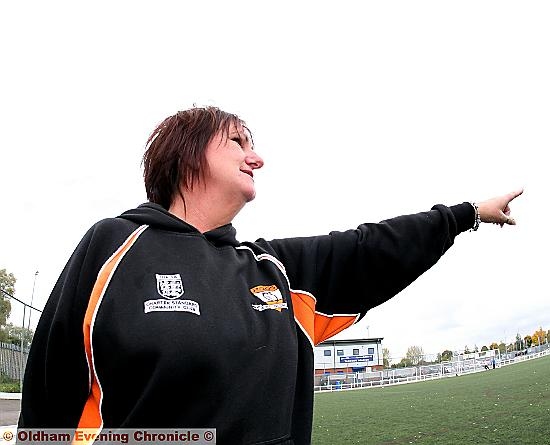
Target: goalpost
{"type": "Point", "coordinates": [474, 361]}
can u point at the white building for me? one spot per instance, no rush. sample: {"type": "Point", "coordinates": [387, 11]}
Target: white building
{"type": "Point", "coordinates": [346, 356]}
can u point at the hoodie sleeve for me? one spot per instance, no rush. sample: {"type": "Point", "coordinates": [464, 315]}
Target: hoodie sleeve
{"type": "Point", "coordinates": [56, 382]}
{"type": "Point", "coordinates": [335, 279]}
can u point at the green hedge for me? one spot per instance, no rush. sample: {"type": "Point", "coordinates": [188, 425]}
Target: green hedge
{"type": "Point", "coordinates": [9, 387]}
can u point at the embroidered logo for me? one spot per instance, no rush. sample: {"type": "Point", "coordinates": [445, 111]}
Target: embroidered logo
{"type": "Point", "coordinates": [170, 287]}
{"type": "Point", "coordinates": [271, 296]}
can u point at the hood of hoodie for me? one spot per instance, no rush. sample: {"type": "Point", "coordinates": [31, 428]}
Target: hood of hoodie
{"type": "Point", "coordinates": [157, 217]}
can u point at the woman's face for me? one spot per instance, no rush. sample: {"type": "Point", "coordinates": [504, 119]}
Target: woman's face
{"type": "Point", "coordinates": [231, 161]}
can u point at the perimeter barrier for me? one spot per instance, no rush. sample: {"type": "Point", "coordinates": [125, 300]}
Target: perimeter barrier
{"type": "Point", "coordinates": [445, 369]}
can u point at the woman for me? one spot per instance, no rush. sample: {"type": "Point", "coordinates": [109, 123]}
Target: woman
{"type": "Point", "coordinates": [162, 319]}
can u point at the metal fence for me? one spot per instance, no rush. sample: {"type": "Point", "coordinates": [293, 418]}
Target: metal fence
{"type": "Point", "coordinates": [12, 361]}
{"type": "Point", "coordinates": [341, 381]}
{"type": "Point", "coordinates": [13, 357]}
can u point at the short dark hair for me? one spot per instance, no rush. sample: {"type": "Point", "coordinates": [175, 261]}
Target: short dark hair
{"type": "Point", "coordinates": [175, 152]}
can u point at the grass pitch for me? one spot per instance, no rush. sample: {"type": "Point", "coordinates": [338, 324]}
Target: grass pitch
{"type": "Point", "coordinates": [509, 405]}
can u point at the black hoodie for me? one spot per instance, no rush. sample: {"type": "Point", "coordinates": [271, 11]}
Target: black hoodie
{"type": "Point", "coordinates": [155, 325]}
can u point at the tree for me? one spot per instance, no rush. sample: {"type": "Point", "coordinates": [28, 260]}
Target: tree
{"type": "Point", "coordinates": [528, 341]}
{"type": "Point", "coordinates": [446, 355]}
{"type": "Point", "coordinates": [502, 347]}
{"type": "Point", "coordinates": [539, 336]}
{"type": "Point", "coordinates": [414, 355]}
{"type": "Point", "coordinates": [404, 363]}
{"type": "Point", "coordinates": [466, 349]}
{"type": "Point", "coordinates": [493, 346]}
{"type": "Point", "coordinates": [12, 334]}
{"type": "Point", "coordinates": [386, 357]}
{"type": "Point", "coordinates": [8, 332]}
{"type": "Point", "coordinates": [7, 283]}
{"type": "Point", "coordinates": [484, 348]}
{"type": "Point", "coordinates": [520, 345]}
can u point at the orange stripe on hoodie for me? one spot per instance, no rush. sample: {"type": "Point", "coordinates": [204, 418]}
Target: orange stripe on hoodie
{"type": "Point", "coordinates": [317, 326]}
{"type": "Point", "coordinates": [90, 419]}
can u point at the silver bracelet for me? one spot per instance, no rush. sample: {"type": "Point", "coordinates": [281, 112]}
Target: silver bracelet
{"type": "Point", "coordinates": [477, 220]}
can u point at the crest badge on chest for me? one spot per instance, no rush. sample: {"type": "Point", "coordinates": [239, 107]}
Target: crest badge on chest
{"type": "Point", "coordinates": [271, 297]}
{"type": "Point", "coordinates": [170, 286]}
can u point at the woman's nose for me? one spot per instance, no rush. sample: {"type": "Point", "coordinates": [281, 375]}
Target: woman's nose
{"type": "Point", "coordinates": [254, 160]}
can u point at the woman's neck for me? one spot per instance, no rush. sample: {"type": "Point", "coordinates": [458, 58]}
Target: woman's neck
{"type": "Point", "coordinates": [205, 213]}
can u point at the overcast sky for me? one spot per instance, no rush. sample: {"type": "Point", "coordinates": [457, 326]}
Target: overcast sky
{"type": "Point", "coordinates": [361, 110]}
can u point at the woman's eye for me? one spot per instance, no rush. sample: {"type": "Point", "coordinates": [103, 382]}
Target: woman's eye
{"type": "Point", "coordinates": [237, 140]}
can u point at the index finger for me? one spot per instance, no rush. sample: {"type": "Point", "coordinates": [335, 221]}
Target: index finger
{"type": "Point", "coordinates": [513, 195]}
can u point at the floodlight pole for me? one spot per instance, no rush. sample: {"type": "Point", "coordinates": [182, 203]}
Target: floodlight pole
{"type": "Point", "coordinates": [21, 350]}
{"type": "Point", "coordinates": [32, 298]}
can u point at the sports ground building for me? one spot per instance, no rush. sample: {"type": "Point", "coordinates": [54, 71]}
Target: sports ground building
{"type": "Point", "coordinates": [348, 356]}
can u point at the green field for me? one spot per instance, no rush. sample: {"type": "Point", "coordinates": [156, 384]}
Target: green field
{"type": "Point", "coordinates": [509, 405]}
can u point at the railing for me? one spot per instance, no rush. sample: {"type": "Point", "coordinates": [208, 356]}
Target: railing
{"type": "Point", "coordinates": [399, 376]}
{"type": "Point", "coordinates": [13, 357]}
{"type": "Point", "coordinates": [12, 361]}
